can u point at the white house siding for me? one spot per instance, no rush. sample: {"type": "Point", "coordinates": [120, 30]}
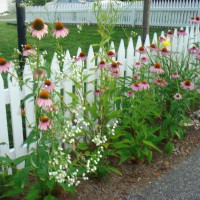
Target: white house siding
{"type": "Point", "coordinates": [3, 6]}
{"type": "Point", "coordinates": [11, 5]}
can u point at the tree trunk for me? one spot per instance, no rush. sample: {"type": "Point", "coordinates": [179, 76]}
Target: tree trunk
{"type": "Point", "coordinates": [145, 23]}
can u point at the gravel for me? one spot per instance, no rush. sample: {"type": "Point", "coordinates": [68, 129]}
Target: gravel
{"type": "Point", "coordinates": [180, 183]}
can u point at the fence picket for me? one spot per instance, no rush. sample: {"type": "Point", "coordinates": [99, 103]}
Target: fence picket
{"type": "Point", "coordinates": [29, 103]}
{"type": "Point", "coordinates": [4, 149]}
{"type": "Point", "coordinates": [121, 57]}
{"type": "Point", "coordinates": [129, 58]}
{"type": "Point", "coordinates": [90, 71]}
{"type": "Point", "coordinates": [15, 106]}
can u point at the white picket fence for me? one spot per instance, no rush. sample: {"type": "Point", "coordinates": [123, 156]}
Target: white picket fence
{"type": "Point", "coordinates": [163, 13]}
{"type": "Point", "coordinates": [13, 95]}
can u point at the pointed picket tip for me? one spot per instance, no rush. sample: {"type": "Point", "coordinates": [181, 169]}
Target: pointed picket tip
{"type": "Point", "coordinates": [130, 43]}
{"type": "Point", "coordinates": [139, 43]}
{"type": "Point", "coordinates": [112, 46]}
{"type": "Point", "coordinates": [162, 34]}
{"type": "Point", "coordinates": [55, 63]}
{"type": "Point", "coordinates": [91, 52]}
{"type": "Point", "coordinates": [90, 58]}
{"type": "Point", "coordinates": [155, 38]}
{"type": "Point", "coordinates": [147, 41]}
{"type": "Point", "coordinates": [121, 45]}
{"type": "Point", "coordinates": [78, 51]}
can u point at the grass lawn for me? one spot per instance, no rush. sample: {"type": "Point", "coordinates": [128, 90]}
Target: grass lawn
{"type": "Point", "coordinates": [88, 35]}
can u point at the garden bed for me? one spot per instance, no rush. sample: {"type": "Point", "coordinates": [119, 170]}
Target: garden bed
{"type": "Point", "coordinates": [136, 175]}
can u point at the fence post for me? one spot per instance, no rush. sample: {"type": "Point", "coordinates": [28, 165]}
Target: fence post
{"type": "Point", "coordinates": [21, 30]}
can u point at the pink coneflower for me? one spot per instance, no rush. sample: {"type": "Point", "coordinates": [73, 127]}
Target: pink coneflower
{"type": "Point", "coordinates": [111, 54]}
{"type": "Point", "coordinates": [102, 64]}
{"type": "Point", "coordinates": [193, 20]}
{"type": "Point", "coordinates": [164, 51]}
{"type": "Point", "coordinates": [82, 56]}
{"type": "Point", "coordinates": [4, 65]}
{"type": "Point", "coordinates": [60, 30]}
{"type": "Point", "coordinates": [97, 92]}
{"type": "Point", "coordinates": [129, 93]}
{"type": "Point", "coordinates": [144, 60]}
{"type": "Point", "coordinates": [44, 123]}
{"type": "Point", "coordinates": [138, 65]}
{"type": "Point", "coordinates": [193, 49]}
{"type": "Point", "coordinates": [181, 32]}
{"type": "Point", "coordinates": [38, 28]}
{"type": "Point", "coordinates": [153, 48]}
{"type": "Point", "coordinates": [198, 90]}
{"type": "Point", "coordinates": [135, 87]}
{"type": "Point", "coordinates": [39, 73]}
{"type": "Point", "coordinates": [141, 50]}
{"type": "Point", "coordinates": [116, 73]}
{"type": "Point", "coordinates": [48, 85]}
{"type": "Point", "coordinates": [170, 34]}
{"type": "Point", "coordinates": [178, 96]}
{"type": "Point", "coordinates": [187, 85]}
{"type": "Point", "coordinates": [136, 77]}
{"type": "Point", "coordinates": [162, 39]}
{"type": "Point", "coordinates": [144, 85]}
{"type": "Point", "coordinates": [160, 82]}
{"type": "Point", "coordinates": [157, 68]}
{"type": "Point", "coordinates": [28, 50]}
{"type": "Point", "coordinates": [43, 99]}
{"type": "Point", "coordinates": [197, 20]}
{"type": "Point", "coordinates": [197, 54]}
{"type": "Point", "coordinates": [175, 75]}
{"type": "Point", "coordinates": [114, 66]}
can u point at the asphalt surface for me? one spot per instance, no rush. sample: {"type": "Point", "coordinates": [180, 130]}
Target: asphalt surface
{"type": "Point", "coordinates": [180, 183]}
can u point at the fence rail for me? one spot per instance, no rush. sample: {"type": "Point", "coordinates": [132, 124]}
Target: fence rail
{"type": "Point", "coordinates": [162, 13]}
{"type": "Point", "coordinates": [12, 96]}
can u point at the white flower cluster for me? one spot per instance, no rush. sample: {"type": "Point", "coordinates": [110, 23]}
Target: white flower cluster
{"type": "Point", "coordinates": [58, 75]}
{"type": "Point", "coordinates": [98, 139]}
{"type": "Point", "coordinates": [72, 130]}
{"type": "Point", "coordinates": [112, 128]}
{"type": "Point", "coordinates": [76, 70]}
{"type": "Point", "coordinates": [58, 165]}
{"type": "Point", "coordinates": [92, 163]}
{"type": "Point", "coordinates": [61, 57]}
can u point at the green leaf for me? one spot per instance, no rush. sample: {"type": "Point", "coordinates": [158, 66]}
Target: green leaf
{"type": "Point", "coordinates": [32, 194]}
{"type": "Point", "coordinates": [49, 197]}
{"type": "Point", "coordinates": [5, 159]}
{"type": "Point", "coordinates": [33, 163]}
{"type": "Point", "coordinates": [124, 155]}
{"type": "Point", "coordinates": [120, 145]}
{"type": "Point", "coordinates": [115, 170]}
{"type": "Point", "coordinates": [13, 192]}
{"type": "Point", "coordinates": [20, 159]}
{"type": "Point", "coordinates": [49, 184]}
{"type": "Point", "coordinates": [82, 146]}
{"type": "Point", "coordinates": [149, 143]}
{"type": "Point", "coordinates": [169, 147]}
